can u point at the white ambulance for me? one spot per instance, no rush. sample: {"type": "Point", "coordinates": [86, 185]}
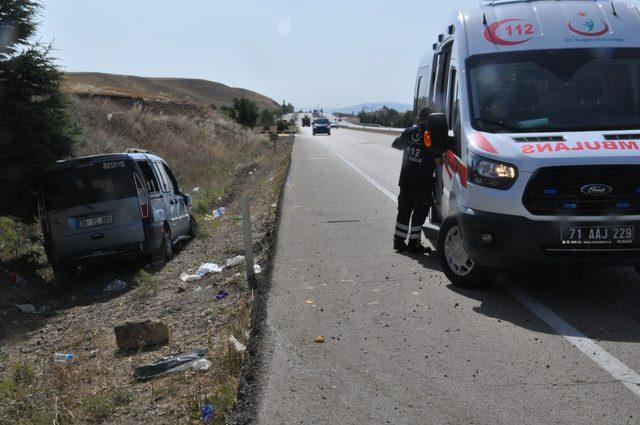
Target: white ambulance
{"type": "Point", "coordinates": [539, 117]}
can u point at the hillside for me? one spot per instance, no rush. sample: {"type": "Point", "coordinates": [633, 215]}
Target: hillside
{"type": "Point", "coordinates": [201, 92]}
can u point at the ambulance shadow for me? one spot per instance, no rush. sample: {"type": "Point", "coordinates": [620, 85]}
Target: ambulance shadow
{"type": "Point", "coordinates": [428, 261]}
{"type": "Point", "coordinates": [601, 304]}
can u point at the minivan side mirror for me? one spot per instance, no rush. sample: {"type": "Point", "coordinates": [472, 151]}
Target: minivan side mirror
{"type": "Point", "coordinates": [438, 129]}
{"type": "Point", "coordinates": [188, 201]}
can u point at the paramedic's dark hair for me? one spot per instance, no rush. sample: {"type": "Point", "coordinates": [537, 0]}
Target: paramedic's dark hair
{"type": "Point", "coordinates": [424, 114]}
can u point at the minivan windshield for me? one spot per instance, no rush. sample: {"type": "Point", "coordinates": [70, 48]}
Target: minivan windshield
{"type": "Point", "coordinates": [555, 90]}
{"type": "Point", "coordinates": [322, 121]}
{"type": "Point", "coordinates": [86, 185]}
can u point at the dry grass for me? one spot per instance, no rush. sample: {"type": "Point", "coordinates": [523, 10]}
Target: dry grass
{"type": "Point", "coordinates": [196, 91]}
{"type": "Point", "coordinates": [203, 149]}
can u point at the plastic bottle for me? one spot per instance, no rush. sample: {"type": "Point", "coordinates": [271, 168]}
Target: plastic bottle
{"type": "Point", "coordinates": [63, 357]}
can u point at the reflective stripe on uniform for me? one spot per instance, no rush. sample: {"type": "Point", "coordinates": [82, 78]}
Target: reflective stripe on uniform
{"type": "Point", "coordinates": [402, 226]}
{"type": "Point", "coordinates": [414, 236]}
{"type": "Point", "coordinates": [416, 229]}
{"type": "Point", "coordinates": [401, 233]}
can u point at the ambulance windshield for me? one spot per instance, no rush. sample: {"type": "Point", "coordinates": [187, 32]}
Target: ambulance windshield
{"type": "Point", "coordinates": [555, 90]}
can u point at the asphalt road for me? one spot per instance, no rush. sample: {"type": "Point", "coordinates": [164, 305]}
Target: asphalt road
{"type": "Point", "coordinates": [402, 345]}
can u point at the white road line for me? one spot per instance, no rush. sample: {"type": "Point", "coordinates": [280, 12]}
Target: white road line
{"type": "Point", "coordinates": [370, 179]}
{"type": "Point", "coordinates": [620, 371]}
{"type": "Point", "coordinates": [599, 355]}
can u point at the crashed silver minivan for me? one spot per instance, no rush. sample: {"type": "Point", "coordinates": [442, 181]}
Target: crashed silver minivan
{"type": "Point", "coordinates": [104, 206]}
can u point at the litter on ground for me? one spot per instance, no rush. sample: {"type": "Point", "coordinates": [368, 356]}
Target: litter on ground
{"type": "Point", "coordinates": [169, 364]}
{"type": "Point", "coordinates": [257, 269]}
{"type": "Point", "coordinates": [319, 339]}
{"type": "Point", "coordinates": [222, 295]}
{"type": "Point", "coordinates": [201, 365]}
{"type": "Point", "coordinates": [237, 344]}
{"type": "Point", "coordinates": [235, 260]}
{"type": "Point", "coordinates": [208, 412]}
{"type": "Point", "coordinates": [218, 212]}
{"type": "Point", "coordinates": [115, 285]}
{"type": "Point", "coordinates": [205, 268]}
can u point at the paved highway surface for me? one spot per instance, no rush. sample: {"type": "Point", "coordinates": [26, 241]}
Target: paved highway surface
{"type": "Point", "coordinates": [402, 345]}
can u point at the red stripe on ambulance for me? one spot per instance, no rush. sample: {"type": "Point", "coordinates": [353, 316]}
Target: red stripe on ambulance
{"type": "Point", "coordinates": [579, 146]}
{"type": "Point", "coordinates": [481, 142]}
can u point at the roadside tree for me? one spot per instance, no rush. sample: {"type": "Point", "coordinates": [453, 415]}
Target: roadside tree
{"type": "Point", "coordinates": [35, 128]}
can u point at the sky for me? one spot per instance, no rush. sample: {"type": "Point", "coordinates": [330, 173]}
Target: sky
{"type": "Point", "coordinates": [329, 53]}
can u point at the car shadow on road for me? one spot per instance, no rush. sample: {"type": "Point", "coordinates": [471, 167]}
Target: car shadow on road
{"type": "Point", "coordinates": [600, 303]}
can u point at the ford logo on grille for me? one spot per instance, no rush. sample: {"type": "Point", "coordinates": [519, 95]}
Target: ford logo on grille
{"type": "Point", "coordinates": [596, 189]}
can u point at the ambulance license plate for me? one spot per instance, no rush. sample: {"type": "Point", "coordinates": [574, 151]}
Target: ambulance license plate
{"type": "Point", "coordinates": [95, 221]}
{"type": "Point", "coordinates": [597, 236]}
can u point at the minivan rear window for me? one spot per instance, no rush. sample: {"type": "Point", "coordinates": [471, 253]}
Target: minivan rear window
{"type": "Point", "coordinates": [84, 185]}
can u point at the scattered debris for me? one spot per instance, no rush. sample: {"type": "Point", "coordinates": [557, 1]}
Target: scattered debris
{"type": "Point", "coordinates": [63, 357]}
{"type": "Point", "coordinates": [109, 117]}
{"type": "Point", "coordinates": [274, 205]}
{"type": "Point", "coordinates": [205, 268]}
{"type": "Point", "coordinates": [319, 339]}
{"type": "Point", "coordinates": [169, 364]}
{"type": "Point", "coordinates": [208, 412]}
{"type": "Point", "coordinates": [94, 353]}
{"type": "Point", "coordinates": [237, 344]}
{"type": "Point", "coordinates": [257, 269]}
{"type": "Point", "coordinates": [115, 285]}
{"type": "Point", "coordinates": [219, 212]}
{"type": "Point", "coordinates": [195, 189]}
{"type": "Point", "coordinates": [15, 279]}
{"type": "Point", "coordinates": [238, 217]}
{"type": "Point", "coordinates": [308, 302]}
{"type": "Point", "coordinates": [135, 335]}
{"type": "Point", "coordinates": [209, 268]}
{"type": "Point", "coordinates": [222, 294]}
{"type": "Point", "coordinates": [27, 308]}
{"type": "Point", "coordinates": [186, 277]}
{"type": "Point", "coordinates": [201, 365]}
{"type": "Point", "coordinates": [235, 260]}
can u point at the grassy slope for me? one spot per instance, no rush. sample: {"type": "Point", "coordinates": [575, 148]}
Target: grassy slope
{"type": "Point", "coordinates": [205, 150]}
{"type": "Point", "coordinates": [201, 92]}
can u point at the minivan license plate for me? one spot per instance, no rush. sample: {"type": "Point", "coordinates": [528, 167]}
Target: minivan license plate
{"type": "Point", "coordinates": [597, 235]}
{"type": "Point", "coordinates": [95, 221]}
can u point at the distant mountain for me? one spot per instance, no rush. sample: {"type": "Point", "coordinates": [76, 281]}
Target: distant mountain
{"type": "Point", "coordinates": [201, 92]}
{"type": "Point", "coordinates": [401, 107]}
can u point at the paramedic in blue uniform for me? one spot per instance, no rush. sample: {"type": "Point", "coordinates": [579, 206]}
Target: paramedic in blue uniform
{"type": "Point", "coordinates": [416, 181]}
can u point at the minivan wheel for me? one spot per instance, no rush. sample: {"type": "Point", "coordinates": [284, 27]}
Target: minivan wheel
{"type": "Point", "coordinates": [455, 262]}
{"type": "Point", "coordinates": [165, 251]}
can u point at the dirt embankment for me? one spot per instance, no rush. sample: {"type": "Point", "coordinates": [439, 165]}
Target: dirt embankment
{"type": "Point", "coordinates": [76, 316]}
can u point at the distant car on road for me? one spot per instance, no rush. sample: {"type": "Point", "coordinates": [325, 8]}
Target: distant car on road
{"type": "Point", "coordinates": [335, 124]}
{"type": "Point", "coordinates": [306, 121]}
{"type": "Point", "coordinates": [104, 206]}
{"type": "Point", "coordinates": [321, 125]}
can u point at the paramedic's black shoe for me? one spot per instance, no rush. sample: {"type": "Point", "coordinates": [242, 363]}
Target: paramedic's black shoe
{"type": "Point", "coordinates": [418, 248]}
{"type": "Point", "coordinates": [399, 245]}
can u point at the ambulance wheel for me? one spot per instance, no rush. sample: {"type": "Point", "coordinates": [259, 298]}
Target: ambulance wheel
{"type": "Point", "coordinates": [455, 262]}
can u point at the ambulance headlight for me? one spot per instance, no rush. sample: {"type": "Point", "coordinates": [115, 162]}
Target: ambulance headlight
{"type": "Point", "coordinates": [490, 173]}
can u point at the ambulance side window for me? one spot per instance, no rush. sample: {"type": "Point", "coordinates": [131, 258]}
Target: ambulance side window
{"type": "Point", "coordinates": [422, 90]}
{"type": "Point", "coordinates": [453, 89]}
{"type": "Point", "coordinates": [444, 62]}
{"type": "Point", "coordinates": [434, 72]}
{"type": "Point", "coordinates": [455, 118]}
